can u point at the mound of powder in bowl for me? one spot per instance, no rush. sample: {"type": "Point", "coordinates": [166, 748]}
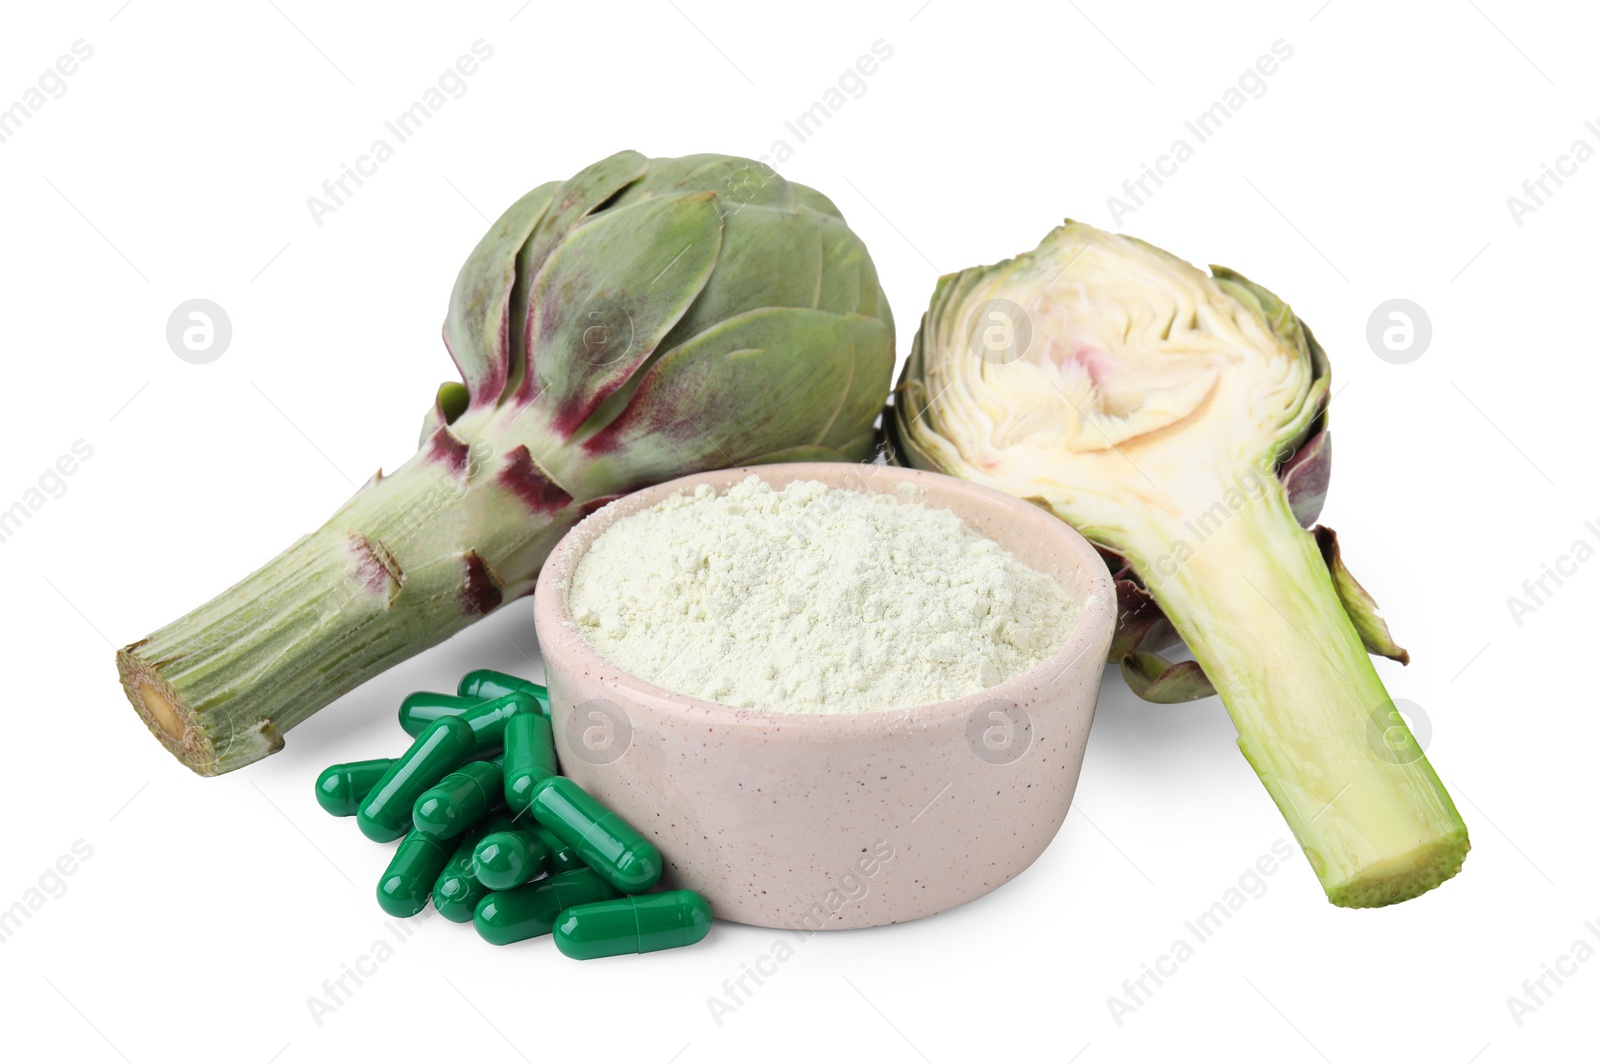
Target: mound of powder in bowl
{"type": "Point", "coordinates": [812, 599]}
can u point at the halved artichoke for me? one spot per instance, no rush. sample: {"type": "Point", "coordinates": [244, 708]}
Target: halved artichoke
{"type": "Point", "coordinates": [1179, 421]}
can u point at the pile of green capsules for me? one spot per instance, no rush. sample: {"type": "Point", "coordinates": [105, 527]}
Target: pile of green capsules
{"type": "Point", "coordinates": [502, 839]}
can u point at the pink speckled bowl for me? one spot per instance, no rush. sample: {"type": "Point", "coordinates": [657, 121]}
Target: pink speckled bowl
{"type": "Point", "coordinates": [837, 821]}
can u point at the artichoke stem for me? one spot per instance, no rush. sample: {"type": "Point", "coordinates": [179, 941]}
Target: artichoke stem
{"type": "Point", "coordinates": [1252, 598]}
{"type": "Point", "coordinates": [403, 565]}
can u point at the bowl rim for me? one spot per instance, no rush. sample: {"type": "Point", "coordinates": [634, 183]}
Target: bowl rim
{"type": "Point", "coordinates": [1091, 632]}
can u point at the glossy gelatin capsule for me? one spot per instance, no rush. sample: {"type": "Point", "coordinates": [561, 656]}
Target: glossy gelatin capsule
{"type": "Point", "coordinates": [457, 892]}
{"type": "Point", "coordinates": [409, 879]}
{"type": "Point", "coordinates": [341, 788]}
{"type": "Point", "coordinates": [530, 757]}
{"type": "Point", "coordinates": [489, 719]}
{"type": "Point", "coordinates": [443, 747]}
{"type": "Point", "coordinates": [506, 859]}
{"type": "Point", "coordinates": [604, 841]}
{"type": "Point", "coordinates": [563, 858]}
{"type": "Point", "coordinates": [507, 916]}
{"type": "Point", "coordinates": [486, 683]}
{"type": "Point", "coordinates": [458, 801]}
{"type": "Point", "coordinates": [641, 924]}
{"type": "Point", "coordinates": [422, 708]}
{"type": "Point", "coordinates": [486, 716]}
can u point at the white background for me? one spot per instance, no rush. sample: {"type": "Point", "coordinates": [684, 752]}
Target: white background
{"type": "Point", "coordinates": [1376, 165]}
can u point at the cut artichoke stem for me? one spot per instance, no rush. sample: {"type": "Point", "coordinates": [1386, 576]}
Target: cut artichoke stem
{"type": "Point", "coordinates": [219, 686]}
{"type": "Point", "coordinates": [1313, 717]}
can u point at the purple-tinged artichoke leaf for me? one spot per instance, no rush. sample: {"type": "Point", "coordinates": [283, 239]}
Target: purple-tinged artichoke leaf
{"type": "Point", "coordinates": [1141, 626]}
{"type": "Point", "coordinates": [521, 475]}
{"type": "Point", "coordinates": [482, 589]}
{"type": "Point", "coordinates": [478, 330]}
{"type": "Point", "coordinates": [1155, 679]}
{"type": "Point", "coordinates": [446, 449]}
{"type": "Point", "coordinates": [591, 188]}
{"type": "Point", "coordinates": [1305, 477]}
{"type": "Point", "coordinates": [1361, 607]}
{"type": "Point", "coordinates": [734, 395]}
{"type": "Point", "coordinates": [609, 294]}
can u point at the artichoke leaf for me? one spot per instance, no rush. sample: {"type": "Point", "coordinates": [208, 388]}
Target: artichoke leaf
{"type": "Point", "coordinates": [609, 294]}
{"type": "Point", "coordinates": [585, 192]}
{"type": "Point", "coordinates": [738, 183]}
{"type": "Point", "coordinates": [1305, 477]}
{"type": "Point", "coordinates": [736, 394]}
{"type": "Point", "coordinates": [770, 258]}
{"type": "Point", "coordinates": [478, 330]}
{"type": "Point", "coordinates": [449, 403]}
{"type": "Point", "coordinates": [851, 451]}
{"type": "Point", "coordinates": [1155, 679]}
{"type": "Point", "coordinates": [1360, 605]}
{"type": "Point", "coordinates": [1140, 623]}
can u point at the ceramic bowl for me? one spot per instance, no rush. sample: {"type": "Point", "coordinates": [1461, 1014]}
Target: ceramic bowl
{"type": "Point", "coordinates": [817, 822]}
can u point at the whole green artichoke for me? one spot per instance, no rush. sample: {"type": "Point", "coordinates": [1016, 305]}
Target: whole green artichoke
{"type": "Point", "coordinates": [646, 319]}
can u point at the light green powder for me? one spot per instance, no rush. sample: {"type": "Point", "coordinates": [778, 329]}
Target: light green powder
{"type": "Point", "coordinates": [812, 599]}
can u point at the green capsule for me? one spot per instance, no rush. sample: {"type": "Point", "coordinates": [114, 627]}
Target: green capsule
{"type": "Point", "coordinates": [507, 859]}
{"type": "Point", "coordinates": [458, 801]}
{"type": "Point", "coordinates": [422, 708]}
{"type": "Point", "coordinates": [530, 757]}
{"type": "Point", "coordinates": [341, 788]}
{"type": "Point", "coordinates": [487, 716]}
{"type": "Point", "coordinates": [456, 892]}
{"type": "Point", "coordinates": [489, 719]}
{"type": "Point", "coordinates": [604, 841]}
{"type": "Point", "coordinates": [507, 916]}
{"type": "Point", "coordinates": [409, 879]}
{"type": "Point", "coordinates": [641, 924]}
{"type": "Point", "coordinates": [486, 683]}
{"type": "Point", "coordinates": [443, 747]}
{"type": "Point", "coordinates": [563, 858]}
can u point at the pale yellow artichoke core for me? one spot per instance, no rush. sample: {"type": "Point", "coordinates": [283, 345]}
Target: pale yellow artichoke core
{"type": "Point", "coordinates": [1142, 375]}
